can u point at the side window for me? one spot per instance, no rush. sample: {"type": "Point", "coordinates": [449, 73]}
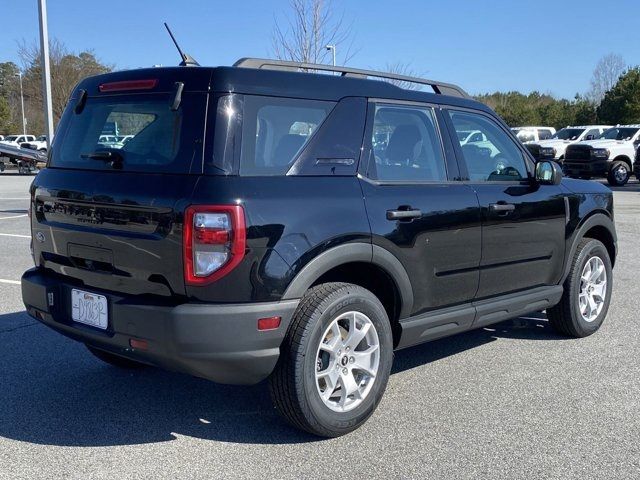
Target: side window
{"type": "Point", "coordinates": [274, 131]}
{"type": "Point", "coordinates": [496, 159]}
{"type": "Point", "coordinates": [544, 134]}
{"type": "Point", "coordinates": [526, 135]}
{"type": "Point", "coordinates": [406, 145]}
{"type": "Point", "coordinates": [591, 134]}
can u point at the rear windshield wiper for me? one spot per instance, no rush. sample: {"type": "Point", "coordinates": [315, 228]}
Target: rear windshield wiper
{"type": "Point", "coordinates": [114, 157]}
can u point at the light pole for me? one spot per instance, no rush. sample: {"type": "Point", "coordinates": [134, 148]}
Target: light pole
{"type": "Point", "coordinates": [24, 123]}
{"type": "Point", "coordinates": [333, 51]}
{"type": "Point", "coordinates": [46, 71]}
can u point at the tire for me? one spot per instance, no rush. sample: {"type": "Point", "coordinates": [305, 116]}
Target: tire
{"type": "Point", "coordinates": [619, 174]}
{"type": "Point", "coordinates": [115, 360]}
{"type": "Point", "coordinates": [566, 317]}
{"type": "Point", "coordinates": [295, 389]}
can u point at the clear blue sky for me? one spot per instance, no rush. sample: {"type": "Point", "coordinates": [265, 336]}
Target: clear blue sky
{"type": "Point", "coordinates": [546, 45]}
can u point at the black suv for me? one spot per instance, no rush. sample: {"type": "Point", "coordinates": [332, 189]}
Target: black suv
{"type": "Point", "coordinates": [266, 222]}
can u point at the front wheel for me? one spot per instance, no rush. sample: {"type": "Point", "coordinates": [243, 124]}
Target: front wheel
{"type": "Point", "coordinates": [587, 291]}
{"type": "Point", "coordinates": [618, 174]}
{"type": "Point", "coordinates": [335, 360]}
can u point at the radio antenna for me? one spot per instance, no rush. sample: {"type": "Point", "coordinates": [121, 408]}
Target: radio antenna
{"type": "Point", "coordinates": [187, 60]}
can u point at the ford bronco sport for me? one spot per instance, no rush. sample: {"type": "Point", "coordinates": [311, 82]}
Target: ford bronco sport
{"type": "Point", "coordinates": [264, 222]}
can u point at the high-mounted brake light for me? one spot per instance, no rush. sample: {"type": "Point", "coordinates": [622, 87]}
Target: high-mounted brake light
{"type": "Point", "coordinates": [147, 84]}
{"type": "Point", "coordinates": [214, 242]}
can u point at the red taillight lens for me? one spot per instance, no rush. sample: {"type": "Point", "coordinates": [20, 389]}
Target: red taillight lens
{"type": "Point", "coordinates": [214, 242]}
{"type": "Point", "coordinates": [128, 85]}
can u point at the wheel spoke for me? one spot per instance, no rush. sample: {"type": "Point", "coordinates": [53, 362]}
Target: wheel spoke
{"type": "Point", "coordinates": [596, 272]}
{"type": "Point", "coordinates": [356, 336]}
{"type": "Point", "coordinates": [593, 307]}
{"type": "Point", "coordinates": [331, 382]}
{"type": "Point", "coordinates": [599, 290]}
{"type": "Point", "coordinates": [349, 387]}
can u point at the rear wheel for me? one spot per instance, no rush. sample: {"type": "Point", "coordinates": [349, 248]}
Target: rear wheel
{"type": "Point", "coordinates": [115, 360]}
{"type": "Point", "coordinates": [619, 174]}
{"type": "Point", "coordinates": [335, 360]}
{"type": "Point", "coordinates": [587, 292]}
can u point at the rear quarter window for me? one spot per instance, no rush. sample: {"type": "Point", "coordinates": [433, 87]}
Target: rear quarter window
{"type": "Point", "coordinates": [140, 130]}
{"type": "Point", "coordinates": [275, 130]}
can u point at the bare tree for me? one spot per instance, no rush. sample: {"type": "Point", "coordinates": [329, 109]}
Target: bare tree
{"type": "Point", "coordinates": [67, 69]}
{"type": "Point", "coordinates": [400, 68]}
{"type": "Point", "coordinates": [304, 33]}
{"type": "Point", "coordinates": [606, 74]}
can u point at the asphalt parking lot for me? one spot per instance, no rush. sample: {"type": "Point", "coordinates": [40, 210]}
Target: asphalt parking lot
{"type": "Point", "coordinates": [512, 401]}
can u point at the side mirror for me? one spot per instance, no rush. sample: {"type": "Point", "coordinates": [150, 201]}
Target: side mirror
{"type": "Point", "coordinates": [548, 173]}
{"type": "Point", "coordinates": [590, 137]}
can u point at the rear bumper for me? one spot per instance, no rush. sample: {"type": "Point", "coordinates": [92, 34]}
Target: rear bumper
{"type": "Point", "coordinates": [219, 342]}
{"type": "Point", "coordinates": [594, 168]}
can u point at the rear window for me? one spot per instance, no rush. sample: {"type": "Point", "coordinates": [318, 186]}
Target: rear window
{"type": "Point", "coordinates": [138, 133]}
{"type": "Point", "coordinates": [275, 130]}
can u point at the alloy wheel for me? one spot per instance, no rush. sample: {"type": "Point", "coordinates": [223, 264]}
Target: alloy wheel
{"type": "Point", "coordinates": [593, 289]}
{"type": "Point", "coordinates": [347, 361]}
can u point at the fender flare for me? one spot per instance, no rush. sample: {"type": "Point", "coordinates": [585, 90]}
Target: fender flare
{"type": "Point", "coordinates": [354, 252]}
{"type": "Point", "coordinates": [595, 220]}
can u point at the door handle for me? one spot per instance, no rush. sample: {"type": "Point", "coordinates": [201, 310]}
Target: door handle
{"type": "Point", "coordinates": [409, 214]}
{"type": "Point", "coordinates": [503, 208]}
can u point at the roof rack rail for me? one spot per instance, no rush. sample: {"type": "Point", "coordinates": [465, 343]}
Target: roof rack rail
{"type": "Point", "coordinates": [440, 88]}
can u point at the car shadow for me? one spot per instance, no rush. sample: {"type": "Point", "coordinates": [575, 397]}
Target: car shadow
{"type": "Point", "coordinates": [54, 392]}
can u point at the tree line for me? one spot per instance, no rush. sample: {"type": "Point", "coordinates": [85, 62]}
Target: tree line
{"type": "Point", "coordinates": [619, 105]}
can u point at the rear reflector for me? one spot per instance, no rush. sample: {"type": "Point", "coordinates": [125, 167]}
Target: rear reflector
{"type": "Point", "coordinates": [128, 85]}
{"type": "Point", "coordinates": [270, 323]}
{"type": "Point", "coordinates": [139, 344]}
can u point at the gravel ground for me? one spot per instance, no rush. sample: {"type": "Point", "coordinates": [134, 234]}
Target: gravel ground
{"type": "Point", "coordinates": [511, 401]}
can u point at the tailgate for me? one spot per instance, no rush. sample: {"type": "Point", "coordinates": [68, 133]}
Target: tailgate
{"type": "Point", "coordinates": [115, 231]}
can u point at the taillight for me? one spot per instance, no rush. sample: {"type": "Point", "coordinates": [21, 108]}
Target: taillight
{"type": "Point", "coordinates": [214, 242]}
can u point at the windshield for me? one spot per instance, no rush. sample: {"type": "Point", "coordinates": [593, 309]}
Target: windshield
{"type": "Point", "coordinates": [10, 138]}
{"type": "Point", "coordinates": [619, 133]}
{"type": "Point", "coordinates": [569, 134]}
{"type": "Point", "coordinates": [42, 138]}
{"type": "Point", "coordinates": [161, 140]}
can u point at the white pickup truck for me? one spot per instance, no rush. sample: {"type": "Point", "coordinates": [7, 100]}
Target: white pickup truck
{"type": "Point", "coordinates": [611, 155]}
{"type": "Point", "coordinates": [39, 144]}
{"type": "Point", "coordinates": [16, 140]}
{"type": "Point", "coordinates": [556, 146]}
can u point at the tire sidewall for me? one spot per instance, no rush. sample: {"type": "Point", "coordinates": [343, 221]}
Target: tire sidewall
{"type": "Point", "coordinates": [350, 299]}
{"type": "Point", "coordinates": [593, 249]}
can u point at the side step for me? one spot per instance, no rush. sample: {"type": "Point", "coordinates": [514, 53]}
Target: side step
{"type": "Point", "coordinates": [448, 321]}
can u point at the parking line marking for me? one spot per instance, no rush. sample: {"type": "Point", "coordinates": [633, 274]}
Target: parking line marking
{"type": "Point", "coordinates": [14, 235]}
{"type": "Point", "coordinates": [16, 216]}
{"type": "Point", "coordinates": [10, 282]}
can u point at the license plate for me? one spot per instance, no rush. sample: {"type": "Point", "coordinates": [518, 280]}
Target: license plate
{"type": "Point", "coordinates": [89, 308]}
